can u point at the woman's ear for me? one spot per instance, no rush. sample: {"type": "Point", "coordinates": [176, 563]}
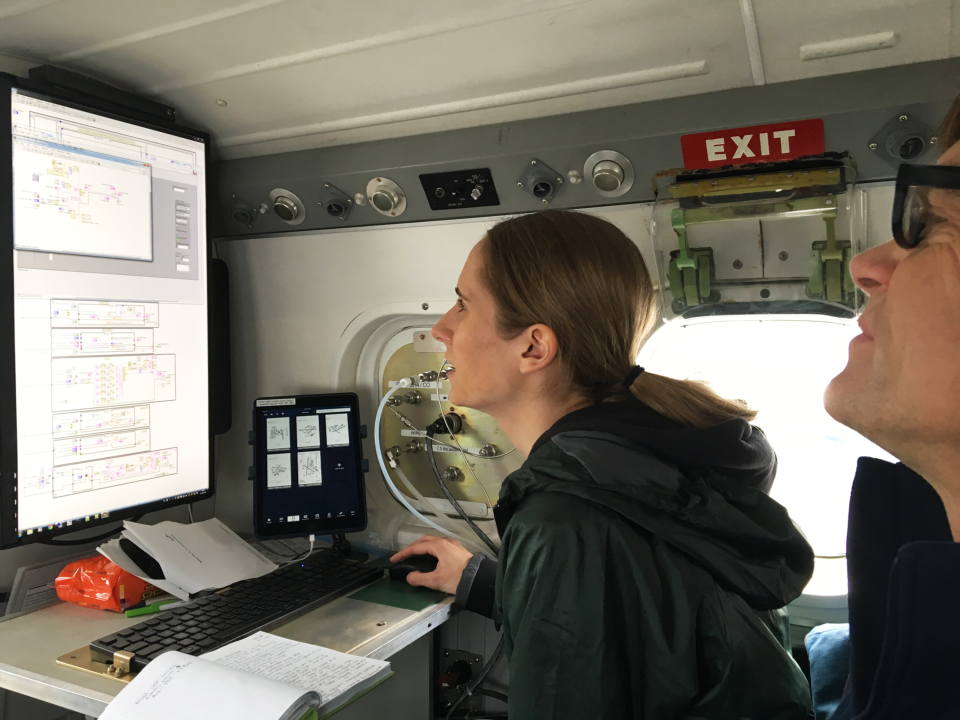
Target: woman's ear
{"type": "Point", "coordinates": [541, 348]}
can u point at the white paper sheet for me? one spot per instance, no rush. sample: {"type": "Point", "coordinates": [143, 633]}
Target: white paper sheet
{"type": "Point", "coordinates": [187, 688]}
{"type": "Point", "coordinates": [115, 554]}
{"type": "Point", "coordinates": [330, 673]}
{"type": "Point", "coordinates": [201, 555]}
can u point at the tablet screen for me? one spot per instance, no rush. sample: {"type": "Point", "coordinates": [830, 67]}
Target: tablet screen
{"type": "Point", "coordinates": [308, 471]}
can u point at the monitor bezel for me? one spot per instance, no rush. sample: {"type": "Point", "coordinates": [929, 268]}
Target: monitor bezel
{"type": "Point", "coordinates": [8, 394]}
{"type": "Point", "coordinates": [309, 527]}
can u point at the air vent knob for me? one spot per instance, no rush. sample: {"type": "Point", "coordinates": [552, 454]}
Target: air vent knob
{"type": "Point", "coordinates": [607, 175]}
{"type": "Point", "coordinates": [285, 208]}
{"type": "Point", "coordinates": [384, 199]}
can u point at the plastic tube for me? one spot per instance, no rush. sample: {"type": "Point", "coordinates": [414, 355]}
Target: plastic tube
{"type": "Point", "coordinates": [404, 383]}
{"type": "Point", "coordinates": [441, 514]}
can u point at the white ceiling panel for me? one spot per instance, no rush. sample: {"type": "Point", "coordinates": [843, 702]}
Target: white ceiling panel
{"type": "Point", "coordinates": [307, 73]}
{"type": "Point", "coordinates": [903, 31]}
{"type": "Point", "coordinates": [614, 51]}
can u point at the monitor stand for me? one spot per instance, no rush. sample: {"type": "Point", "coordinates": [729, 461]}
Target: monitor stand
{"type": "Point", "coordinates": [342, 547]}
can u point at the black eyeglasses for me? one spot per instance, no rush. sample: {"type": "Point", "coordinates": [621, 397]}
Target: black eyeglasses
{"type": "Point", "coordinates": [912, 212]}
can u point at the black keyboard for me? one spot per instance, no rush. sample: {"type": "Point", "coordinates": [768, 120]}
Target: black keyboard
{"type": "Point", "coordinates": [220, 618]}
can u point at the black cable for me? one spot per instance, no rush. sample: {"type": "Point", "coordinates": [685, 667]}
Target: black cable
{"type": "Point", "coordinates": [453, 501]}
{"type": "Point", "coordinates": [84, 541]}
{"type": "Point", "coordinates": [491, 693]}
{"type": "Point", "coordinates": [481, 676]}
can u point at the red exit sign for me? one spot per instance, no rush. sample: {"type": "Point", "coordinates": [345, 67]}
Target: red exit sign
{"type": "Point", "coordinates": [761, 143]}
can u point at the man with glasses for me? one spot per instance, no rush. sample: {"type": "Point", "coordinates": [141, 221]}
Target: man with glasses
{"type": "Point", "coordinates": [901, 389]}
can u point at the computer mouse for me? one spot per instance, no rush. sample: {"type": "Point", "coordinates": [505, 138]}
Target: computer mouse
{"type": "Point", "coordinates": [414, 563]}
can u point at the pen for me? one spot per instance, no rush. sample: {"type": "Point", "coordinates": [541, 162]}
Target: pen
{"type": "Point", "coordinates": [155, 608]}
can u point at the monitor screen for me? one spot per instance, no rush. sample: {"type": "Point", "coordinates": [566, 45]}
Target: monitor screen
{"type": "Point", "coordinates": [309, 476]}
{"type": "Point", "coordinates": [109, 304]}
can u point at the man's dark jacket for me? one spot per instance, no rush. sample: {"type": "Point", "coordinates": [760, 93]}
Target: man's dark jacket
{"type": "Point", "coordinates": [641, 571]}
{"type": "Point", "coordinates": [904, 598]}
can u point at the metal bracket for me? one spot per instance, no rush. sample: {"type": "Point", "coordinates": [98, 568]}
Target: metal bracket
{"type": "Point", "coordinates": [121, 663]}
{"type": "Point", "coordinates": [540, 181]}
{"type": "Point", "coordinates": [830, 277]}
{"type": "Point", "coordinates": [690, 270]}
{"type": "Point", "coordinates": [337, 203]}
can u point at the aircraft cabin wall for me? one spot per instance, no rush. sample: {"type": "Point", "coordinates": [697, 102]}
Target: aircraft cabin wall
{"type": "Point", "coordinates": [320, 303]}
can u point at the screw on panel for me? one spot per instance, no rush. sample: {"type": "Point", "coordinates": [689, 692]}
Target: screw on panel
{"type": "Point", "coordinates": [903, 118]}
{"type": "Point", "coordinates": [533, 162]}
{"type": "Point", "coordinates": [546, 202]}
{"type": "Point", "coordinates": [831, 171]}
{"type": "Point", "coordinates": [713, 182]}
{"type": "Point", "coordinates": [751, 178]}
{"type": "Point", "coordinates": [425, 306]}
{"type": "Point", "coordinates": [696, 184]}
{"type": "Point", "coordinates": [519, 184]}
{"type": "Point", "coordinates": [381, 623]}
{"type": "Point", "coordinates": [737, 264]}
{"type": "Point", "coordinates": [783, 255]}
{"type": "Point", "coordinates": [933, 140]}
{"type": "Point", "coordinates": [873, 146]}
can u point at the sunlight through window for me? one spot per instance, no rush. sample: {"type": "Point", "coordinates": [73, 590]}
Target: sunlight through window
{"type": "Point", "coordinates": [781, 368]}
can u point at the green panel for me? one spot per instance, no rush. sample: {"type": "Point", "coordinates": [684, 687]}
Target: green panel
{"type": "Point", "coordinates": [833, 272]}
{"type": "Point", "coordinates": [816, 273]}
{"type": "Point", "coordinates": [703, 274]}
{"type": "Point", "coordinates": [676, 280]}
{"type": "Point", "coordinates": [396, 593]}
{"type": "Point", "coordinates": [690, 287]}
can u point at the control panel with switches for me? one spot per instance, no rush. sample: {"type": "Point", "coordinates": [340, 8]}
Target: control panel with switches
{"type": "Point", "coordinates": [460, 189]}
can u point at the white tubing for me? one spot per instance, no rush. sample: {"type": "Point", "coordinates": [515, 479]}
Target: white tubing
{"type": "Point", "coordinates": [404, 383]}
{"type": "Point", "coordinates": [441, 515]}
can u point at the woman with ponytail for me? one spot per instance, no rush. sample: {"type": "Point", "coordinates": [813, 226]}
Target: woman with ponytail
{"type": "Point", "coordinates": [643, 568]}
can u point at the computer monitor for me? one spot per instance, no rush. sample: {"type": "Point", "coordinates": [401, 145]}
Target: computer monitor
{"type": "Point", "coordinates": [308, 466]}
{"type": "Point", "coordinates": [104, 397]}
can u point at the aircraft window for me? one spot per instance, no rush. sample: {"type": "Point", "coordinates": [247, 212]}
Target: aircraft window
{"type": "Point", "coordinates": [781, 368]}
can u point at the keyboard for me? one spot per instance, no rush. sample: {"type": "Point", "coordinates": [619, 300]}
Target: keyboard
{"type": "Point", "coordinates": [240, 610]}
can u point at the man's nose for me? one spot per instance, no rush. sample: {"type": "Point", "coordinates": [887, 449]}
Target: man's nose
{"type": "Point", "coordinates": [872, 270]}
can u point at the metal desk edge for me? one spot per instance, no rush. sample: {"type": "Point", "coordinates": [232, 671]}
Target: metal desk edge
{"type": "Point", "coordinates": [93, 703]}
{"type": "Point", "coordinates": [63, 694]}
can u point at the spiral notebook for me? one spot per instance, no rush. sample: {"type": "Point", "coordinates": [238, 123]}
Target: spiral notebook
{"type": "Point", "coordinates": [262, 677]}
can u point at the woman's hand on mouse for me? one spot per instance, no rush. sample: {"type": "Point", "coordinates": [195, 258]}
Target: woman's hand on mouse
{"type": "Point", "coordinates": [452, 558]}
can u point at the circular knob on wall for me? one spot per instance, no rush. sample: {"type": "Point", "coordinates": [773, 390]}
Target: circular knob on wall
{"type": "Point", "coordinates": [287, 206]}
{"type": "Point", "coordinates": [610, 173]}
{"type": "Point", "coordinates": [386, 197]}
{"type": "Point", "coordinates": [607, 176]}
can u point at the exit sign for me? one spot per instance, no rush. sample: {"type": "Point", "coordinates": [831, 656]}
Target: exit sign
{"type": "Point", "coordinates": [757, 144]}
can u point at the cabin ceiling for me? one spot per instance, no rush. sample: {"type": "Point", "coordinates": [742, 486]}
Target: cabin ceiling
{"type": "Point", "coordinates": [309, 73]}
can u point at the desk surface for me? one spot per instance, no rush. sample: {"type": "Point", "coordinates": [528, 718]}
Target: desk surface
{"type": "Point", "coordinates": [30, 643]}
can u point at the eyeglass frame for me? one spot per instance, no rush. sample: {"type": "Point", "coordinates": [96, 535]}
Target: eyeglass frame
{"type": "Point", "coordinates": [945, 177]}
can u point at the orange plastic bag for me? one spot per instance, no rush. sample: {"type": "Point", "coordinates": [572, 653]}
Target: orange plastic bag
{"type": "Point", "coordinates": [98, 583]}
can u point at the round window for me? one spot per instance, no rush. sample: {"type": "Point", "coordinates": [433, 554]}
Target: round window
{"type": "Point", "coordinates": [781, 368]}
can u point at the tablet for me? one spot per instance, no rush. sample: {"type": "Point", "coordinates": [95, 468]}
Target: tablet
{"type": "Point", "coordinates": [308, 466]}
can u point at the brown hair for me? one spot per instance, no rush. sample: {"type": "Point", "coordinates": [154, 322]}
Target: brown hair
{"type": "Point", "coordinates": [581, 276]}
{"type": "Point", "coordinates": [949, 131]}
